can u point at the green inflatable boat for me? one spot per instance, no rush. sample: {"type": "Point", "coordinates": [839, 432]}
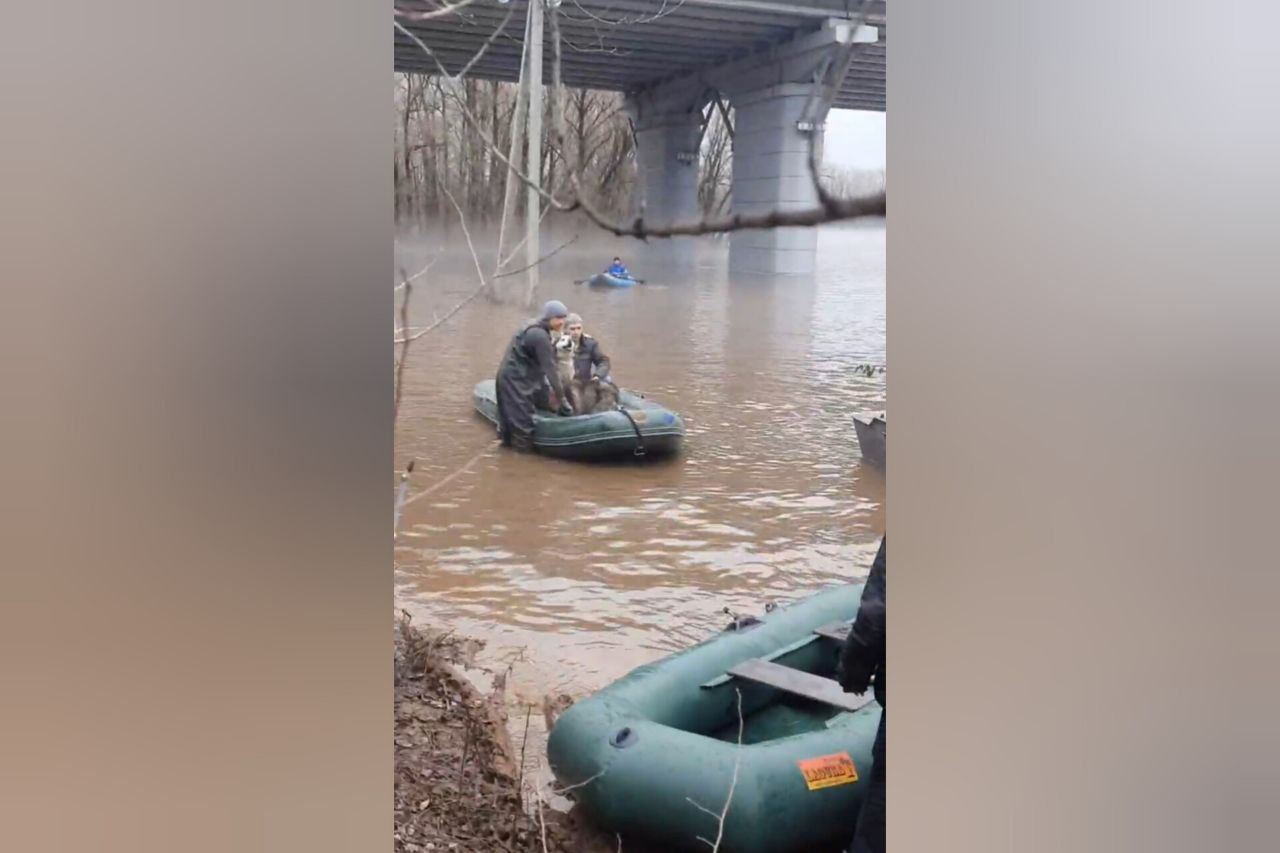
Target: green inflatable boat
{"type": "Point", "coordinates": [654, 754]}
{"type": "Point", "coordinates": [640, 428]}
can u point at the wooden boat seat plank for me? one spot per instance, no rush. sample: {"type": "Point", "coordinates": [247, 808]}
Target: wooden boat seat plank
{"type": "Point", "coordinates": [800, 683]}
{"type": "Point", "coordinates": [781, 651]}
{"type": "Point", "coordinates": [834, 631]}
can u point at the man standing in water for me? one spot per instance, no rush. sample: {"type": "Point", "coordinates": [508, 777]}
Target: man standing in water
{"type": "Point", "coordinates": [862, 658]}
{"type": "Point", "coordinates": [527, 369]}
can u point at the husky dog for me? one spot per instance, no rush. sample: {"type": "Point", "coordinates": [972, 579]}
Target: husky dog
{"type": "Point", "coordinates": [565, 351]}
{"type": "Point", "coordinates": [594, 396]}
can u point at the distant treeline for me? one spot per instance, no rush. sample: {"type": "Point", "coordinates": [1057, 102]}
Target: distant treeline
{"type": "Point", "coordinates": [436, 148]}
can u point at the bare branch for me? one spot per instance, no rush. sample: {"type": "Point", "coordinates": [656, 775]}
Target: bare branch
{"type": "Point", "coordinates": [438, 13]}
{"type": "Point", "coordinates": [835, 210]}
{"type": "Point", "coordinates": [525, 239]}
{"type": "Point", "coordinates": [404, 350]}
{"type": "Point", "coordinates": [665, 9]}
{"type": "Point", "coordinates": [462, 219]}
{"type": "Point", "coordinates": [733, 783]}
{"type": "Point", "coordinates": [440, 484]}
{"type": "Point", "coordinates": [484, 47]}
{"type": "Point", "coordinates": [420, 273]}
{"type": "Point", "coordinates": [542, 823]}
{"type": "Point", "coordinates": [454, 310]}
{"type": "Point", "coordinates": [568, 242]}
{"type": "Point", "coordinates": [700, 807]}
{"type": "Point", "coordinates": [524, 742]}
{"type": "Point", "coordinates": [441, 320]}
{"type": "Point", "coordinates": [582, 784]}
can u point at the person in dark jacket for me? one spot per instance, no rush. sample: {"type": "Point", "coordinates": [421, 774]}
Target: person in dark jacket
{"type": "Point", "coordinates": [862, 661]}
{"type": "Point", "coordinates": [588, 359]}
{"type": "Point", "coordinates": [527, 370]}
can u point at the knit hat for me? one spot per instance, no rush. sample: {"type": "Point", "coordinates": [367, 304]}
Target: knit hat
{"type": "Point", "coordinates": [554, 308]}
{"type": "Point", "coordinates": [572, 319]}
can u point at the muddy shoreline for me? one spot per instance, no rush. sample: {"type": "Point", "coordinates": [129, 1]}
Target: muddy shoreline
{"type": "Point", "coordinates": [459, 783]}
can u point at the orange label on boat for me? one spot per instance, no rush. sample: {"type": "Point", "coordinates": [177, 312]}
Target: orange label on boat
{"type": "Point", "coordinates": [826, 771]}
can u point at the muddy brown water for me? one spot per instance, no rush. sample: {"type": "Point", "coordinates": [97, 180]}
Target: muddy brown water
{"type": "Point", "coordinates": [573, 574]}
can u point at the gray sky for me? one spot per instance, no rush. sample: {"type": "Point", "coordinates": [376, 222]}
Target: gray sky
{"type": "Point", "coordinates": [854, 140]}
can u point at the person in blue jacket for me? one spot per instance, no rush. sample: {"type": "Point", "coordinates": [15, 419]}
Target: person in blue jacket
{"type": "Point", "coordinates": [617, 269]}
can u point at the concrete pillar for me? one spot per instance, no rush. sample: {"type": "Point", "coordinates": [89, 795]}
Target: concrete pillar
{"type": "Point", "coordinates": [771, 172]}
{"type": "Point", "coordinates": [668, 133]}
{"type": "Point", "coordinates": [667, 160]}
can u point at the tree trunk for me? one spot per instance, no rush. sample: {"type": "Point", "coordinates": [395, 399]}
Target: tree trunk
{"type": "Point", "coordinates": [441, 201]}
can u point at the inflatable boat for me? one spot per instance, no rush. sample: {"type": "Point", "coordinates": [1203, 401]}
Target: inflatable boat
{"type": "Point", "coordinates": [604, 279]}
{"type": "Point", "coordinates": [655, 754]}
{"type": "Point", "coordinates": [640, 427]}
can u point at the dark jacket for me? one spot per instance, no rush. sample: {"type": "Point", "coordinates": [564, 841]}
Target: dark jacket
{"type": "Point", "coordinates": [530, 358]}
{"type": "Point", "coordinates": [590, 356]}
{"type": "Point", "coordinates": [863, 655]}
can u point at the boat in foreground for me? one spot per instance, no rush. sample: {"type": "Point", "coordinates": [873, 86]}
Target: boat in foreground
{"type": "Point", "coordinates": [656, 753]}
{"type": "Point", "coordinates": [640, 427]}
{"type": "Point", "coordinates": [871, 439]}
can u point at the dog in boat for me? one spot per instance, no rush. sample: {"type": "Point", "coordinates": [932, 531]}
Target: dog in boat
{"type": "Point", "coordinates": [587, 398]}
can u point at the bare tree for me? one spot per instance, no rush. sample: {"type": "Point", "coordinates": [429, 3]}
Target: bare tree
{"type": "Point", "coordinates": [437, 148]}
{"type": "Point", "coordinates": [850, 182]}
{"type": "Point", "coordinates": [715, 160]}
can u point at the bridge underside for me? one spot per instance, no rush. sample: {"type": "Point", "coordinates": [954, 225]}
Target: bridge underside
{"type": "Point", "coordinates": [626, 45]}
{"type": "Point", "coordinates": [780, 65]}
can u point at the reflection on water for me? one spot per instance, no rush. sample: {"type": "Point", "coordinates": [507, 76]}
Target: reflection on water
{"type": "Point", "coordinates": [594, 569]}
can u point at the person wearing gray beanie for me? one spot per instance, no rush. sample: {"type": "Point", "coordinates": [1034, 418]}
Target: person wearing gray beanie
{"type": "Point", "coordinates": [528, 368]}
{"type": "Point", "coordinates": [589, 360]}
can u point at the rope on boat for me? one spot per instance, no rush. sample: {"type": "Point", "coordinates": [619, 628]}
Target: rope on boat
{"type": "Point", "coordinates": [639, 451]}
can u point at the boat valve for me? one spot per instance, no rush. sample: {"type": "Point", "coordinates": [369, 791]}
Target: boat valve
{"type": "Point", "coordinates": [624, 737]}
{"type": "Point", "coordinates": [740, 623]}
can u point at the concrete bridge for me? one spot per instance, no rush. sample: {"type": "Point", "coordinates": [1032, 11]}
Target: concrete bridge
{"type": "Point", "coordinates": [781, 66]}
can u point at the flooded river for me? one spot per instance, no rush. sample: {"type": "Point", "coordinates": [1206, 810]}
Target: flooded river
{"type": "Point", "coordinates": [581, 572]}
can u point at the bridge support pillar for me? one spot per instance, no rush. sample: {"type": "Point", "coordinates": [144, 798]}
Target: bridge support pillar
{"type": "Point", "coordinates": [780, 97]}
{"type": "Point", "coordinates": [667, 160]}
{"type": "Point", "coordinates": [771, 171]}
{"type": "Point", "coordinates": [667, 136]}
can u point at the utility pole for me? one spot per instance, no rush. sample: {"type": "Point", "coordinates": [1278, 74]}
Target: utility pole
{"type": "Point", "coordinates": [517, 145]}
{"type": "Point", "coordinates": [533, 206]}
